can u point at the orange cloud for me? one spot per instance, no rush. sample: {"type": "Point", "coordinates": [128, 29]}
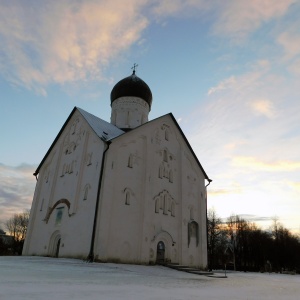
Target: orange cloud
{"type": "Point", "coordinates": [66, 41]}
{"type": "Point", "coordinates": [258, 165]}
{"type": "Point", "coordinates": [263, 107]}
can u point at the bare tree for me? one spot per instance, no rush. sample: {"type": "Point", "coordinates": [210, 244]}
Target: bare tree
{"type": "Point", "coordinates": [17, 228]}
{"type": "Point", "coordinates": [216, 239]}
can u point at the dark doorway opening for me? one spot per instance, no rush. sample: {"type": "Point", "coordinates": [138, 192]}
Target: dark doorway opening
{"type": "Point", "coordinates": [160, 253]}
{"type": "Point", "coordinates": [57, 248]}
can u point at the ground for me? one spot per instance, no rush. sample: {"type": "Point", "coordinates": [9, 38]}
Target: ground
{"type": "Point", "coordinates": [40, 278]}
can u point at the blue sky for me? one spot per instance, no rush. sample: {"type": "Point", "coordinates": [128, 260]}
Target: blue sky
{"type": "Point", "coordinates": [228, 70]}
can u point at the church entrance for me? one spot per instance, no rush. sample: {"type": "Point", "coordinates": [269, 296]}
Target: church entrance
{"type": "Point", "coordinates": [160, 253]}
{"type": "Point", "coordinates": [57, 248]}
{"type": "Point", "coordinates": [54, 244]}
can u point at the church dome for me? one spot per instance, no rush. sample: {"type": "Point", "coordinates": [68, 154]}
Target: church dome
{"type": "Point", "coordinates": [131, 86]}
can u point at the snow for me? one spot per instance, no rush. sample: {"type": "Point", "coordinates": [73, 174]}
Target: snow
{"type": "Point", "coordinates": [39, 278]}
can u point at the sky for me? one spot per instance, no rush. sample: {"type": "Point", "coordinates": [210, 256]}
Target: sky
{"type": "Point", "coordinates": [229, 72]}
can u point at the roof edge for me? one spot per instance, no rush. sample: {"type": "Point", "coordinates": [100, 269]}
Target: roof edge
{"type": "Point", "coordinates": [181, 132]}
{"type": "Point", "coordinates": [54, 142]}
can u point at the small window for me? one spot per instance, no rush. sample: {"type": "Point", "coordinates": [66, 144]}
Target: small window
{"type": "Point", "coordinates": [130, 161]}
{"type": "Point", "coordinates": [127, 198]}
{"type": "Point", "coordinates": [166, 174]}
{"type": "Point", "coordinates": [71, 167]}
{"type": "Point", "coordinates": [42, 204]}
{"type": "Point", "coordinates": [166, 135]}
{"type": "Point", "coordinates": [86, 191]}
{"type": "Point", "coordinates": [63, 170]}
{"type": "Point", "coordinates": [47, 176]}
{"type": "Point", "coordinates": [165, 156]}
{"type": "Point", "coordinates": [59, 215]}
{"type": "Point", "coordinates": [165, 205]}
{"type": "Point", "coordinates": [73, 128]}
{"type": "Point", "coordinates": [173, 209]}
{"type": "Point", "coordinates": [157, 206]}
{"type": "Point", "coordinates": [171, 176]}
{"type": "Point", "coordinates": [89, 159]}
{"type": "Point", "coordinates": [161, 171]}
{"type": "Point", "coordinates": [161, 202]}
{"type": "Point", "coordinates": [127, 118]}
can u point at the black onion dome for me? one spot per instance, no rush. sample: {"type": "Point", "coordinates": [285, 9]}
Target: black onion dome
{"type": "Point", "coordinates": [131, 86]}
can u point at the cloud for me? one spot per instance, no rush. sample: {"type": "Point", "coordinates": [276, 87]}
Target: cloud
{"type": "Point", "coordinates": [255, 218]}
{"type": "Point", "coordinates": [163, 8]}
{"type": "Point", "coordinates": [263, 107]}
{"type": "Point", "coordinates": [290, 41]}
{"type": "Point", "coordinates": [16, 190]}
{"type": "Point", "coordinates": [294, 185]}
{"type": "Point", "coordinates": [295, 67]}
{"type": "Point", "coordinates": [65, 41]}
{"type": "Point", "coordinates": [223, 85]}
{"type": "Point", "coordinates": [238, 18]}
{"type": "Point", "coordinates": [256, 164]}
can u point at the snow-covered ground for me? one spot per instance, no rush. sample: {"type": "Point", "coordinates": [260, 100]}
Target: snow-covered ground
{"type": "Point", "coordinates": [39, 278]}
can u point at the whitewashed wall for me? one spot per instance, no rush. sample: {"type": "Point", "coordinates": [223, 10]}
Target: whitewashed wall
{"type": "Point", "coordinates": [71, 174]}
{"type": "Point", "coordinates": [130, 232]}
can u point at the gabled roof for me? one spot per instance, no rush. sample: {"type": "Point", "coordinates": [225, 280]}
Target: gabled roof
{"type": "Point", "coordinates": [107, 131]}
{"type": "Point", "coordinates": [104, 130]}
{"type": "Point", "coordinates": [183, 136]}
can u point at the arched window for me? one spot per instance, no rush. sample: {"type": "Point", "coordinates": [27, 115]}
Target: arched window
{"type": "Point", "coordinates": [193, 232]}
{"type": "Point", "coordinates": [59, 215]}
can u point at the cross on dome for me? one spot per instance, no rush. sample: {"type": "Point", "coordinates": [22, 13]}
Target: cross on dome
{"type": "Point", "coordinates": [134, 67]}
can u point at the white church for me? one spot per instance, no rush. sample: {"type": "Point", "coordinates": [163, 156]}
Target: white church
{"type": "Point", "coordinates": [128, 191]}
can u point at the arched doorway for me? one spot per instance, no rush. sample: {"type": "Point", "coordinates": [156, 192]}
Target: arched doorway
{"type": "Point", "coordinates": [54, 244]}
{"type": "Point", "coordinates": [57, 248]}
{"type": "Point", "coordinates": [160, 252]}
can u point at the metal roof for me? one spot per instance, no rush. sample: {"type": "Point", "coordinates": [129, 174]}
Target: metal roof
{"type": "Point", "coordinates": [103, 129]}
